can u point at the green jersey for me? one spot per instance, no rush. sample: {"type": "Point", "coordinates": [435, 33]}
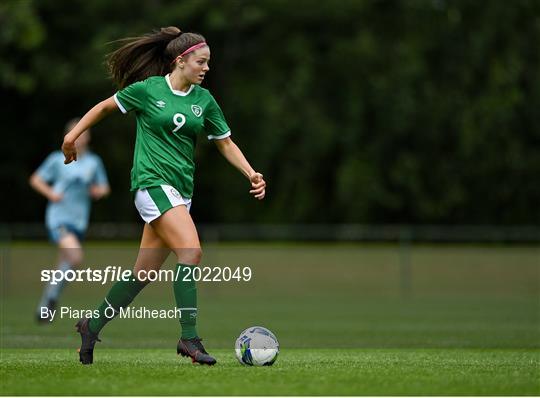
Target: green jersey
{"type": "Point", "coordinates": [168, 122]}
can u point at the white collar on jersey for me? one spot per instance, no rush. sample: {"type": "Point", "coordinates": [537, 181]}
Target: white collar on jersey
{"type": "Point", "coordinates": [177, 92]}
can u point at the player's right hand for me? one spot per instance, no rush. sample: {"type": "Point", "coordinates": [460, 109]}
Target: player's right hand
{"type": "Point", "coordinates": [258, 184]}
{"type": "Point", "coordinates": [70, 152]}
{"type": "Point", "coordinates": [55, 197]}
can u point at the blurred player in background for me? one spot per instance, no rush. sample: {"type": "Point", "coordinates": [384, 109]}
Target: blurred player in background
{"type": "Point", "coordinates": [70, 190]}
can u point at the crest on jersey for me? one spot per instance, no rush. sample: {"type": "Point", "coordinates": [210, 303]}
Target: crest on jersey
{"type": "Point", "coordinates": [197, 110]}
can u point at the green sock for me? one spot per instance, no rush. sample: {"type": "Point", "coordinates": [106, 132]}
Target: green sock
{"type": "Point", "coordinates": [120, 296]}
{"type": "Point", "coordinates": [185, 293]}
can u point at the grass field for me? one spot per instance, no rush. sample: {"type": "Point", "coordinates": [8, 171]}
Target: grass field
{"type": "Point", "coordinates": [297, 372]}
{"type": "Point", "coordinates": [351, 320]}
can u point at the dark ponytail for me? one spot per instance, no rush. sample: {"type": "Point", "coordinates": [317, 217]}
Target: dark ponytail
{"type": "Point", "coordinates": [148, 55]}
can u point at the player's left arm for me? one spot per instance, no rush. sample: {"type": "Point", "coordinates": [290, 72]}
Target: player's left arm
{"type": "Point", "coordinates": [234, 156]}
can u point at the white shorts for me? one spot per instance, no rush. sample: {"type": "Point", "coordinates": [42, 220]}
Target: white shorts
{"type": "Point", "coordinates": [152, 202]}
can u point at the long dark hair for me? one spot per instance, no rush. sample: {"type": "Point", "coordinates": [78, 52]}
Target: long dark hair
{"type": "Point", "coordinates": [148, 55]}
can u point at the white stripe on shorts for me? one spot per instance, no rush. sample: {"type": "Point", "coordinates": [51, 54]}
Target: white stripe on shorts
{"type": "Point", "coordinates": [146, 206]}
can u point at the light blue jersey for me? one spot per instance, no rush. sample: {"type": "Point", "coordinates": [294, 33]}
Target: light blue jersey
{"type": "Point", "coordinates": [73, 181]}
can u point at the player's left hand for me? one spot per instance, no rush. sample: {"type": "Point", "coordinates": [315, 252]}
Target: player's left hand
{"type": "Point", "coordinates": [258, 185]}
{"type": "Point", "coordinates": [70, 151]}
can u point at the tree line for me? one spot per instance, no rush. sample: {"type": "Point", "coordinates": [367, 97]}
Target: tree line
{"type": "Point", "coordinates": [365, 111]}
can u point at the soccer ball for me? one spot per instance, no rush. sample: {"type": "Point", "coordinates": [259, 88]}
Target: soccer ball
{"type": "Point", "coordinates": [257, 346]}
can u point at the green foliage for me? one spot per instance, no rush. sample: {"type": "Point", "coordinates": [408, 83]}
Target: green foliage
{"type": "Point", "coordinates": [22, 33]}
{"type": "Point", "coordinates": [358, 111]}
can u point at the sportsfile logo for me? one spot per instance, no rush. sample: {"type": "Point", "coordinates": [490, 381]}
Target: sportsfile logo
{"type": "Point", "coordinates": [117, 274]}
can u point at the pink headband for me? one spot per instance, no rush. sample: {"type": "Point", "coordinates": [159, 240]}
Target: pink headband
{"type": "Point", "coordinates": [192, 48]}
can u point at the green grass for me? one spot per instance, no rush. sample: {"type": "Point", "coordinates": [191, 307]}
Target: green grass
{"type": "Point", "coordinates": [351, 320]}
{"type": "Point", "coordinates": [297, 372]}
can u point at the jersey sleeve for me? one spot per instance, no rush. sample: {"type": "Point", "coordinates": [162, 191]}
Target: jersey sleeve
{"type": "Point", "coordinates": [131, 97]}
{"type": "Point", "coordinates": [215, 124]}
{"type": "Point", "coordinates": [48, 170]}
{"type": "Point", "coordinates": [100, 176]}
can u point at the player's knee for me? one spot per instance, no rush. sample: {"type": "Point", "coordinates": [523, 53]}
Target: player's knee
{"type": "Point", "coordinates": [190, 256]}
{"type": "Point", "coordinates": [196, 255]}
{"type": "Point", "coordinates": [75, 257]}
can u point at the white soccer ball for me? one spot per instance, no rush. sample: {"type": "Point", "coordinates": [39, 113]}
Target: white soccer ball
{"type": "Point", "coordinates": [257, 346]}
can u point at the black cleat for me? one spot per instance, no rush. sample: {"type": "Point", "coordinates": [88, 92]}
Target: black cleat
{"type": "Point", "coordinates": [194, 349]}
{"type": "Point", "coordinates": [88, 340]}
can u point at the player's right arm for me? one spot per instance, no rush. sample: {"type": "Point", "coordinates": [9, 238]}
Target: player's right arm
{"type": "Point", "coordinates": [43, 188]}
{"type": "Point", "coordinates": [42, 179]}
{"type": "Point", "coordinates": [92, 117]}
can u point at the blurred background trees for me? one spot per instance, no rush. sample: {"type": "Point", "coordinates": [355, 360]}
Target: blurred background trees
{"type": "Point", "coordinates": [363, 111]}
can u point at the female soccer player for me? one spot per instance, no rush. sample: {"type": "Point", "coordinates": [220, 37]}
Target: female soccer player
{"type": "Point", "coordinates": [159, 76]}
{"type": "Point", "coordinates": [69, 191]}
